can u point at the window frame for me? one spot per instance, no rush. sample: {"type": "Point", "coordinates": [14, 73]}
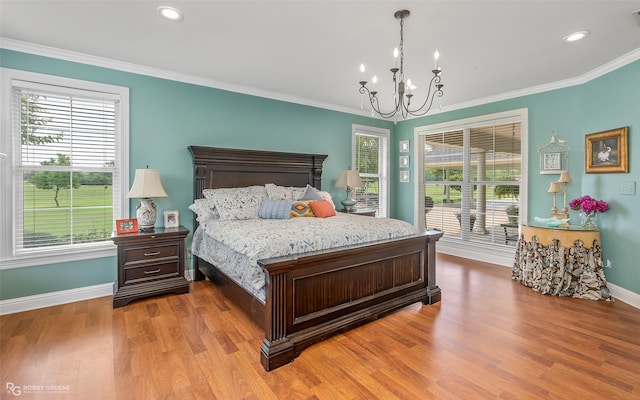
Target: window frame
{"type": "Point", "coordinates": [486, 252]}
{"type": "Point", "coordinates": [8, 207]}
{"type": "Point", "coordinates": [384, 161]}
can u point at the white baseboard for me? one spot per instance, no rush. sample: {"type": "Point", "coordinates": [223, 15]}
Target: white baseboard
{"type": "Point", "coordinates": [34, 302]}
{"type": "Point", "coordinates": [624, 295]}
{"type": "Point", "coordinates": [504, 258]}
{"type": "Point", "coordinates": [27, 303]}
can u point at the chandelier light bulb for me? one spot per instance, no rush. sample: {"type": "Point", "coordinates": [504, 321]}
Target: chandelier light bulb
{"type": "Point", "coordinates": [375, 79]}
{"type": "Point", "coordinates": [436, 56]}
{"type": "Point", "coordinates": [362, 68]}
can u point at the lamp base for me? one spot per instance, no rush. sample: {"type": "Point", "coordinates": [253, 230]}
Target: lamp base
{"type": "Point", "coordinates": [348, 203]}
{"type": "Point", "coordinates": [146, 212]}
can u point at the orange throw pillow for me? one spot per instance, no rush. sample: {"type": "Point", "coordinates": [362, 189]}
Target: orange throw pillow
{"type": "Point", "coordinates": [322, 208]}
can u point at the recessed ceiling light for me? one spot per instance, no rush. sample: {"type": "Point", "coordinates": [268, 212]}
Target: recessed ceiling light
{"type": "Point", "coordinates": [170, 13]}
{"type": "Point", "coordinates": [572, 37]}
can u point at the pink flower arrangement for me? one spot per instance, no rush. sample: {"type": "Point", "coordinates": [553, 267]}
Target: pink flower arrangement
{"type": "Point", "coordinates": [588, 205]}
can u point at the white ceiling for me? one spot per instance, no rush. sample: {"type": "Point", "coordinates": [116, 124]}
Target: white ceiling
{"type": "Point", "coordinates": [310, 51]}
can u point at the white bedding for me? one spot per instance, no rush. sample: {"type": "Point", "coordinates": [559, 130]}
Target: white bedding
{"type": "Point", "coordinates": [235, 245]}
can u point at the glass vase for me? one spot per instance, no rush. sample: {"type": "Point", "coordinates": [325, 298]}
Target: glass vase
{"type": "Point", "coordinates": [588, 220]}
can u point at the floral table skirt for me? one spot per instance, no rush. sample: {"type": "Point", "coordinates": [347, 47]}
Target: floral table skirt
{"type": "Point", "coordinates": [553, 269]}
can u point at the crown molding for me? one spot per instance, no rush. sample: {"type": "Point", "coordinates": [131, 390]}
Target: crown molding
{"type": "Point", "coordinates": [66, 55]}
{"type": "Point", "coordinates": [16, 45]}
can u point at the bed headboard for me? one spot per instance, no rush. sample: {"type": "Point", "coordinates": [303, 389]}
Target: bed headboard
{"type": "Point", "coordinates": [216, 167]}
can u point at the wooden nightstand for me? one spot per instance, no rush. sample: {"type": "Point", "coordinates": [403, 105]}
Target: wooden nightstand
{"type": "Point", "coordinates": [369, 212]}
{"type": "Point", "coordinates": [149, 264]}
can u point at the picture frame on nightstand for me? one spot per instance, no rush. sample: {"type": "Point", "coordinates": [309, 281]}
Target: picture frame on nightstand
{"type": "Point", "coordinates": [171, 219]}
{"type": "Point", "coordinates": [129, 225]}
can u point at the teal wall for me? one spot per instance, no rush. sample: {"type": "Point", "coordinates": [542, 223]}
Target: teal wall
{"type": "Point", "coordinates": [608, 102]}
{"type": "Point", "coordinates": [167, 116]}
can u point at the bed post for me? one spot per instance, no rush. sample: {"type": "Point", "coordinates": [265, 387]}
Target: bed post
{"type": "Point", "coordinates": [317, 171]}
{"type": "Point", "coordinates": [200, 176]}
{"type": "Point", "coordinates": [434, 294]}
{"type": "Point", "coordinates": [276, 349]}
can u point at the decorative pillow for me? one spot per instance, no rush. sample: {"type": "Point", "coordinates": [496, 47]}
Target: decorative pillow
{"type": "Point", "coordinates": [237, 203]}
{"type": "Point", "coordinates": [275, 209]}
{"type": "Point", "coordinates": [322, 208]}
{"type": "Point", "coordinates": [276, 192]}
{"type": "Point", "coordinates": [204, 210]}
{"type": "Point", "coordinates": [311, 194]}
{"type": "Point", "coordinates": [301, 208]}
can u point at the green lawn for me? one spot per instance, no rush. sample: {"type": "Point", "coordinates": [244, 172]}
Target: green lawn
{"type": "Point", "coordinates": [92, 212]}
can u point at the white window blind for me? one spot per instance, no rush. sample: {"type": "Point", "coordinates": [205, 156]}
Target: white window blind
{"type": "Point", "coordinates": [67, 151]}
{"type": "Point", "coordinates": [370, 160]}
{"type": "Point", "coordinates": [472, 182]}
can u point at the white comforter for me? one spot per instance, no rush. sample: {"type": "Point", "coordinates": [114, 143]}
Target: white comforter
{"type": "Point", "coordinates": [257, 239]}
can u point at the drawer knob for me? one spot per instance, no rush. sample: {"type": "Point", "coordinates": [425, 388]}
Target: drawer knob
{"type": "Point", "coordinates": [155, 271]}
{"type": "Point", "coordinates": [155, 253]}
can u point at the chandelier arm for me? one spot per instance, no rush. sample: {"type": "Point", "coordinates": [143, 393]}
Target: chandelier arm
{"type": "Point", "coordinates": [435, 81]}
{"type": "Point", "coordinates": [375, 105]}
{"type": "Point", "coordinates": [419, 114]}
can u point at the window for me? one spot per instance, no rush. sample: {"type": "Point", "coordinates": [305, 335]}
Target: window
{"type": "Point", "coordinates": [66, 153]}
{"type": "Point", "coordinates": [371, 159]}
{"type": "Point", "coordinates": [472, 179]}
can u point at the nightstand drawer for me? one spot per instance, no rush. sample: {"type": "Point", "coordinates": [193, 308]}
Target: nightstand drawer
{"type": "Point", "coordinates": [151, 272]}
{"type": "Point", "coordinates": [138, 254]}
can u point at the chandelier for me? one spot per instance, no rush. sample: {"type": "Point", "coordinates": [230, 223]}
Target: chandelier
{"type": "Point", "coordinates": [403, 91]}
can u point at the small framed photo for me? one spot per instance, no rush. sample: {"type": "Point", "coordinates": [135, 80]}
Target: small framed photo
{"type": "Point", "coordinates": [404, 161]}
{"type": "Point", "coordinates": [607, 151]}
{"type": "Point", "coordinates": [126, 226]}
{"type": "Point", "coordinates": [404, 146]}
{"type": "Point", "coordinates": [405, 176]}
{"type": "Point", "coordinates": [171, 219]}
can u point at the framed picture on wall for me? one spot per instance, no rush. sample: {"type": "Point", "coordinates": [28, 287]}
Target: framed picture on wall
{"type": "Point", "coordinates": [405, 176]}
{"type": "Point", "coordinates": [404, 146]}
{"type": "Point", "coordinates": [404, 161]}
{"type": "Point", "coordinates": [606, 151]}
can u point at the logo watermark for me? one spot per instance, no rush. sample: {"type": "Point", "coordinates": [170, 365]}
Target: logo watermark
{"type": "Point", "coordinates": [18, 390]}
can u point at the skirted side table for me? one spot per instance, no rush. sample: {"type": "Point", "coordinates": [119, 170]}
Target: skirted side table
{"type": "Point", "coordinates": [562, 261]}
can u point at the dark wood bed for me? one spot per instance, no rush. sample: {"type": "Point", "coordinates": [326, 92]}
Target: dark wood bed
{"type": "Point", "coordinates": [312, 296]}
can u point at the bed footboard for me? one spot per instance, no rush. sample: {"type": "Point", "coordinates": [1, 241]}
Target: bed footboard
{"type": "Point", "coordinates": [320, 294]}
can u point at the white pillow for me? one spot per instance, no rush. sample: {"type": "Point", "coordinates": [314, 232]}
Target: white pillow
{"type": "Point", "coordinates": [276, 192]}
{"type": "Point", "coordinates": [204, 210]}
{"type": "Point", "coordinates": [237, 203]}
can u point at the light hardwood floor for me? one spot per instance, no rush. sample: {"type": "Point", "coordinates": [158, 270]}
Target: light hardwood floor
{"type": "Point", "coordinates": [489, 338]}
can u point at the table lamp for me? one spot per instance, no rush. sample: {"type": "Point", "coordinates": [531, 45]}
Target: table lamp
{"type": "Point", "coordinates": [564, 179]}
{"type": "Point", "coordinates": [348, 179]}
{"type": "Point", "coordinates": [146, 185]}
{"type": "Point", "coordinates": [554, 188]}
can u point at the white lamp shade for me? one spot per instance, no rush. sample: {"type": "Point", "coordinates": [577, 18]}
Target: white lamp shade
{"type": "Point", "coordinates": [348, 178]}
{"type": "Point", "coordinates": [554, 187]}
{"type": "Point", "coordinates": [146, 184]}
{"type": "Point", "coordinates": [564, 177]}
